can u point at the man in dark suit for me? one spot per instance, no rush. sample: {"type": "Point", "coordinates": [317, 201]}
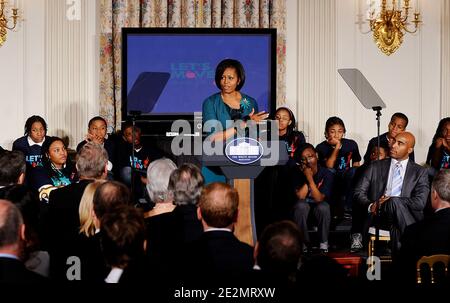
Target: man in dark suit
{"type": "Point", "coordinates": [12, 237]}
{"type": "Point", "coordinates": [218, 255]}
{"type": "Point", "coordinates": [432, 235]}
{"type": "Point", "coordinates": [63, 220]}
{"type": "Point", "coordinates": [398, 186]}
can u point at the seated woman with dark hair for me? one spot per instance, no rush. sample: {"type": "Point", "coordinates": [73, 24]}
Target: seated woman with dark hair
{"type": "Point", "coordinates": [286, 130]}
{"type": "Point", "coordinates": [273, 188]}
{"type": "Point", "coordinates": [55, 171]}
{"type": "Point", "coordinates": [439, 152]}
{"type": "Point", "coordinates": [31, 143]}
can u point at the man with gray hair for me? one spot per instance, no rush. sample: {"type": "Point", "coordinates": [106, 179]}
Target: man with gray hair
{"type": "Point", "coordinates": [185, 185]}
{"type": "Point", "coordinates": [63, 216]}
{"type": "Point", "coordinates": [12, 237]}
{"type": "Point", "coordinates": [432, 235]}
{"type": "Point", "coordinates": [158, 174]}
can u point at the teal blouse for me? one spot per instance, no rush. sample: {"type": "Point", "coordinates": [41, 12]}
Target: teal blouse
{"type": "Point", "coordinates": [215, 109]}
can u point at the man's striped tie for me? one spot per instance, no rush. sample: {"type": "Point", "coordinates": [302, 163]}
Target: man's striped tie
{"type": "Point", "coordinates": [397, 181]}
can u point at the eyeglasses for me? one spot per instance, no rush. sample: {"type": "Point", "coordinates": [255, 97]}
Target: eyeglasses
{"type": "Point", "coordinates": [282, 118]}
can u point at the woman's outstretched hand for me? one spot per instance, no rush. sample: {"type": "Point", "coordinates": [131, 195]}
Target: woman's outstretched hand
{"type": "Point", "coordinates": [259, 116]}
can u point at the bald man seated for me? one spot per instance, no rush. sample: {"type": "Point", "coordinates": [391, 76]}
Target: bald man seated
{"type": "Point", "coordinates": [397, 186]}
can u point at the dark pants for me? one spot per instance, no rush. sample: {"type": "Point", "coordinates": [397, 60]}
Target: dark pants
{"type": "Point", "coordinates": [359, 217]}
{"type": "Point", "coordinates": [344, 187]}
{"type": "Point", "coordinates": [397, 216]}
{"type": "Point", "coordinates": [321, 212]}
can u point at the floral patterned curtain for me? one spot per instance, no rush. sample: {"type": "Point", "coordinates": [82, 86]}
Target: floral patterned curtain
{"type": "Point", "coordinates": [116, 14]}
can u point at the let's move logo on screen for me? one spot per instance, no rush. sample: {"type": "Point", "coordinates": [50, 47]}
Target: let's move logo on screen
{"type": "Point", "coordinates": [191, 70]}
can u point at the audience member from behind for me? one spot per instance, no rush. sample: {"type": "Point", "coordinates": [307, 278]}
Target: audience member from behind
{"type": "Point", "coordinates": [12, 237]}
{"type": "Point", "coordinates": [398, 186]}
{"type": "Point", "coordinates": [123, 243]}
{"type": "Point", "coordinates": [432, 235]}
{"type": "Point", "coordinates": [397, 125]}
{"type": "Point", "coordinates": [313, 184]}
{"type": "Point", "coordinates": [278, 253]}
{"type": "Point", "coordinates": [12, 169]}
{"type": "Point", "coordinates": [97, 133]}
{"type": "Point", "coordinates": [88, 227]}
{"type": "Point", "coordinates": [63, 220]}
{"type": "Point", "coordinates": [31, 143]}
{"type": "Point", "coordinates": [107, 197]}
{"type": "Point", "coordinates": [93, 266]}
{"type": "Point", "coordinates": [160, 221]}
{"type": "Point", "coordinates": [158, 176]}
{"type": "Point", "coordinates": [359, 214]}
{"type": "Point", "coordinates": [185, 185]}
{"type": "Point", "coordinates": [218, 254]}
{"type": "Point", "coordinates": [438, 156]}
{"type": "Point", "coordinates": [27, 201]}
{"type": "Point", "coordinates": [56, 171]}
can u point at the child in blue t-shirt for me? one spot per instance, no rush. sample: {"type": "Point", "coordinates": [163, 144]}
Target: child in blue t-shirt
{"type": "Point", "coordinates": [341, 156]}
{"type": "Point", "coordinates": [144, 153]}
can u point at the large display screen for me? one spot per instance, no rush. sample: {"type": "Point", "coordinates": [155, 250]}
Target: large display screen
{"type": "Point", "coordinates": [167, 73]}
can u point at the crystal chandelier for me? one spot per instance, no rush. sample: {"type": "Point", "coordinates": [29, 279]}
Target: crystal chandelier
{"type": "Point", "coordinates": [388, 24]}
{"type": "Point", "coordinates": [8, 18]}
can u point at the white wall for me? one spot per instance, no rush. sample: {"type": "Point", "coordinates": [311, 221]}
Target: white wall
{"type": "Point", "coordinates": [408, 81]}
{"type": "Point", "coordinates": [34, 71]}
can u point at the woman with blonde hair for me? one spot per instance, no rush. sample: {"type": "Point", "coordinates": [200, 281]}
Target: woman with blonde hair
{"type": "Point", "coordinates": [93, 267]}
{"type": "Point", "coordinates": [88, 224]}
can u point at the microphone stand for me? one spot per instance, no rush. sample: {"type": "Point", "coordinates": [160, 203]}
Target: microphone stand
{"type": "Point", "coordinates": [378, 213]}
{"type": "Point", "coordinates": [133, 114]}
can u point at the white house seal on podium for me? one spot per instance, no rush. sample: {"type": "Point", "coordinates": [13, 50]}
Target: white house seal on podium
{"type": "Point", "coordinates": [244, 151]}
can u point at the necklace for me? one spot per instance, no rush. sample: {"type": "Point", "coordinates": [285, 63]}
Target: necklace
{"type": "Point", "coordinates": [233, 102]}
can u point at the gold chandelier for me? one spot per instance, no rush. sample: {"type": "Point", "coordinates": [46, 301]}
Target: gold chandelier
{"type": "Point", "coordinates": [389, 24]}
{"type": "Point", "coordinates": [8, 18]}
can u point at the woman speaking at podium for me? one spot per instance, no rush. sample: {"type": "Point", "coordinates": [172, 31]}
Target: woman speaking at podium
{"type": "Point", "coordinates": [228, 104]}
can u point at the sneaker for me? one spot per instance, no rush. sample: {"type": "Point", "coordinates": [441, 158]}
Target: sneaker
{"type": "Point", "coordinates": [323, 247]}
{"type": "Point", "coordinates": [356, 244]}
